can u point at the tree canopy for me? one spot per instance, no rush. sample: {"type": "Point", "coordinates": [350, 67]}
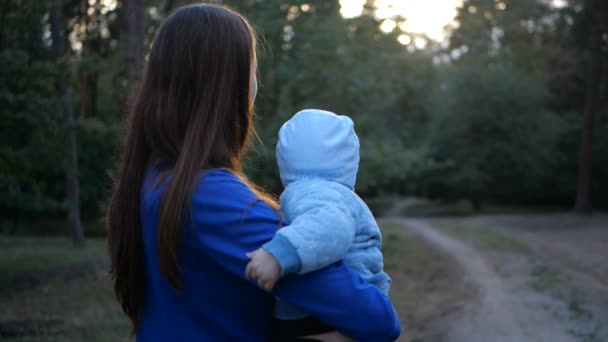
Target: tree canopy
{"type": "Point", "coordinates": [494, 113]}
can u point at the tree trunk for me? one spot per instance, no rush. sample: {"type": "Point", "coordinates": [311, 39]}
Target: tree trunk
{"type": "Point", "coordinates": [3, 13]}
{"type": "Point", "coordinates": [65, 98]}
{"type": "Point", "coordinates": [84, 95]}
{"type": "Point", "coordinates": [84, 74]}
{"type": "Point", "coordinates": [476, 203]}
{"type": "Point", "coordinates": [168, 7]}
{"type": "Point", "coordinates": [133, 44]}
{"type": "Point", "coordinates": [15, 223]}
{"type": "Point", "coordinates": [594, 81]}
{"type": "Point", "coordinates": [93, 84]}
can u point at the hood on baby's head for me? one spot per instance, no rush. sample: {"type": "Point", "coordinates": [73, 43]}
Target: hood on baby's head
{"type": "Point", "coordinates": [318, 144]}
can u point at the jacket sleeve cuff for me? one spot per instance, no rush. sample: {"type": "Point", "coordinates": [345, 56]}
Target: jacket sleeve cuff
{"type": "Point", "coordinates": [285, 253]}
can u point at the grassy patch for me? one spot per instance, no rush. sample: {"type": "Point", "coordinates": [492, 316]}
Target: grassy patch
{"type": "Point", "coordinates": [461, 208]}
{"type": "Point", "coordinates": [591, 336]}
{"type": "Point", "coordinates": [545, 279]}
{"type": "Point", "coordinates": [27, 255]}
{"type": "Point", "coordinates": [484, 236]}
{"type": "Point", "coordinates": [549, 280]}
{"type": "Point", "coordinates": [52, 226]}
{"type": "Point", "coordinates": [425, 283]}
{"type": "Point", "coordinates": [438, 208]}
{"type": "Point", "coordinates": [82, 307]}
{"type": "Point", "coordinates": [379, 205]}
{"type": "Point", "coordinates": [78, 306]}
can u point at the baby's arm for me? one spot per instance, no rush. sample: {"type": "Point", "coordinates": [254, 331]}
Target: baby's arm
{"type": "Point", "coordinates": [320, 234]}
{"type": "Point", "coordinates": [263, 268]}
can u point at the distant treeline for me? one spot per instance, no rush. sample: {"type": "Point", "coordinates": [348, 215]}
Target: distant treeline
{"type": "Point", "coordinates": [495, 113]}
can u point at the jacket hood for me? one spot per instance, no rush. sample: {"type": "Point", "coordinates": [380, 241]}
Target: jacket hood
{"type": "Point", "coordinates": [318, 144]}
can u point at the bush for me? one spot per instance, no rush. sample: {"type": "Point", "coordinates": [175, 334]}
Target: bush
{"type": "Point", "coordinates": [492, 136]}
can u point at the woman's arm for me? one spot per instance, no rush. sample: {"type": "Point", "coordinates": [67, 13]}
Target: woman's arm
{"type": "Point", "coordinates": [231, 221]}
{"type": "Point", "coordinates": [339, 297]}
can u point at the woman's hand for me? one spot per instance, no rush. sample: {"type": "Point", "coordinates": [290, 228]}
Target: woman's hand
{"type": "Point", "coordinates": [263, 268]}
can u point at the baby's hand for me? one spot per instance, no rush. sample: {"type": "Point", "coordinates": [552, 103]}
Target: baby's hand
{"type": "Point", "coordinates": [263, 268]}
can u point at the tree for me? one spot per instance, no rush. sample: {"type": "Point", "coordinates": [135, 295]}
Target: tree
{"type": "Point", "coordinates": [592, 98]}
{"type": "Point", "coordinates": [64, 94]}
{"type": "Point", "coordinates": [489, 132]}
{"type": "Point", "coordinates": [133, 39]}
{"type": "Point", "coordinates": [168, 6]}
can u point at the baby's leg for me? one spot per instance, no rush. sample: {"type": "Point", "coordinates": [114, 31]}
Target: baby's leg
{"type": "Point", "coordinates": [333, 336]}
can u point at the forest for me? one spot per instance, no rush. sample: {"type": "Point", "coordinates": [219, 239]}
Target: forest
{"type": "Point", "coordinates": [509, 108]}
{"type": "Point", "coordinates": [484, 153]}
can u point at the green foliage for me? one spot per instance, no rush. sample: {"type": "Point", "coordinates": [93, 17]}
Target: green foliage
{"type": "Point", "coordinates": [98, 145]}
{"type": "Point", "coordinates": [491, 132]}
{"type": "Point", "coordinates": [561, 182]}
{"type": "Point", "coordinates": [31, 136]}
{"type": "Point", "coordinates": [28, 136]}
{"type": "Point", "coordinates": [499, 122]}
{"type": "Point", "coordinates": [600, 163]}
{"type": "Point", "coordinates": [53, 292]}
{"type": "Point", "coordinates": [331, 70]}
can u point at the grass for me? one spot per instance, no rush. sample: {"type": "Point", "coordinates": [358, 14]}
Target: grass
{"type": "Point", "coordinates": [548, 280]}
{"type": "Point", "coordinates": [379, 205]}
{"type": "Point", "coordinates": [425, 284]}
{"type": "Point", "coordinates": [52, 226]}
{"type": "Point", "coordinates": [463, 208]}
{"type": "Point", "coordinates": [78, 306]}
{"type": "Point", "coordinates": [438, 209]}
{"type": "Point", "coordinates": [484, 236]}
{"type": "Point", "coordinates": [29, 255]}
{"type": "Point", "coordinates": [545, 278]}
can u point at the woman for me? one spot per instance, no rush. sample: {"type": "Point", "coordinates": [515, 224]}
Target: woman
{"type": "Point", "coordinates": [183, 216]}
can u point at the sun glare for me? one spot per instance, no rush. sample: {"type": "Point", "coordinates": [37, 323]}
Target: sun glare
{"type": "Point", "coordinates": [351, 8]}
{"type": "Point", "coordinates": [404, 39]}
{"type": "Point", "coordinates": [426, 17]}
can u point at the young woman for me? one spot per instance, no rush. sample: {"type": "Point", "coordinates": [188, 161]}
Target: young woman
{"type": "Point", "coordinates": [183, 216]}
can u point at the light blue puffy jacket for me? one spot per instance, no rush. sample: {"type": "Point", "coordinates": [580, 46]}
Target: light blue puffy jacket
{"type": "Point", "coordinates": [318, 157]}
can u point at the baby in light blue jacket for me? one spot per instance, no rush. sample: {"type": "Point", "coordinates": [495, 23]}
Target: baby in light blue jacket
{"type": "Point", "coordinates": [318, 157]}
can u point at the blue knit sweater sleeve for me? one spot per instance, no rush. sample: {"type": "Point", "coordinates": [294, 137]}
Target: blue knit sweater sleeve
{"type": "Point", "coordinates": [336, 295]}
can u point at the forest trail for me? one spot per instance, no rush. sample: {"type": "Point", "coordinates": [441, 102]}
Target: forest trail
{"type": "Point", "coordinates": [505, 307]}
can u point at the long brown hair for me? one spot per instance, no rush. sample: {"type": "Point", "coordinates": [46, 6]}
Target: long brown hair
{"type": "Point", "coordinates": [193, 112]}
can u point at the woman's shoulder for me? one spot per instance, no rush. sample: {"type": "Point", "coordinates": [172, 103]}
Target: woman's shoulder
{"type": "Point", "coordinates": [219, 189]}
{"type": "Point", "coordinates": [219, 179]}
{"type": "Point", "coordinates": [223, 185]}
{"type": "Point", "coordinates": [215, 180]}
{"type": "Point", "coordinates": [222, 195]}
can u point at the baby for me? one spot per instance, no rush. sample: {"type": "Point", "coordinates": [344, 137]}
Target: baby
{"type": "Point", "coordinates": [318, 157]}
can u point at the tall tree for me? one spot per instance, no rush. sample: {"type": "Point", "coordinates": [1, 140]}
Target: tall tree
{"type": "Point", "coordinates": [133, 42]}
{"type": "Point", "coordinates": [490, 136]}
{"type": "Point", "coordinates": [64, 93]}
{"type": "Point", "coordinates": [168, 6]}
{"type": "Point", "coordinates": [592, 102]}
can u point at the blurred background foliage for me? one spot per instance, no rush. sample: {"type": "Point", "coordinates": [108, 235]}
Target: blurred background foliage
{"type": "Point", "coordinates": [492, 113]}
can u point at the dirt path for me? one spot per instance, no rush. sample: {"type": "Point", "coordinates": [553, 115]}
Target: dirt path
{"type": "Point", "coordinates": [582, 251]}
{"type": "Point", "coordinates": [505, 309]}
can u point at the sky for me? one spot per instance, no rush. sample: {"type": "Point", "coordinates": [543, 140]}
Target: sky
{"type": "Point", "coordinates": [422, 16]}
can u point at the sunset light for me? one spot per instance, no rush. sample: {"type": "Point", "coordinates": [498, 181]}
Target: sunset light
{"type": "Point", "coordinates": [422, 17]}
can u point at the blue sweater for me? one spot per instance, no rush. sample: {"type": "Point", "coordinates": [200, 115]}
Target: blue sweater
{"type": "Point", "coordinates": [318, 155]}
{"type": "Point", "coordinates": [216, 302]}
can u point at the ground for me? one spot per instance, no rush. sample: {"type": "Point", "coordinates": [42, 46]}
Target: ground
{"type": "Point", "coordinates": [52, 292]}
{"type": "Point", "coordinates": [532, 277]}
